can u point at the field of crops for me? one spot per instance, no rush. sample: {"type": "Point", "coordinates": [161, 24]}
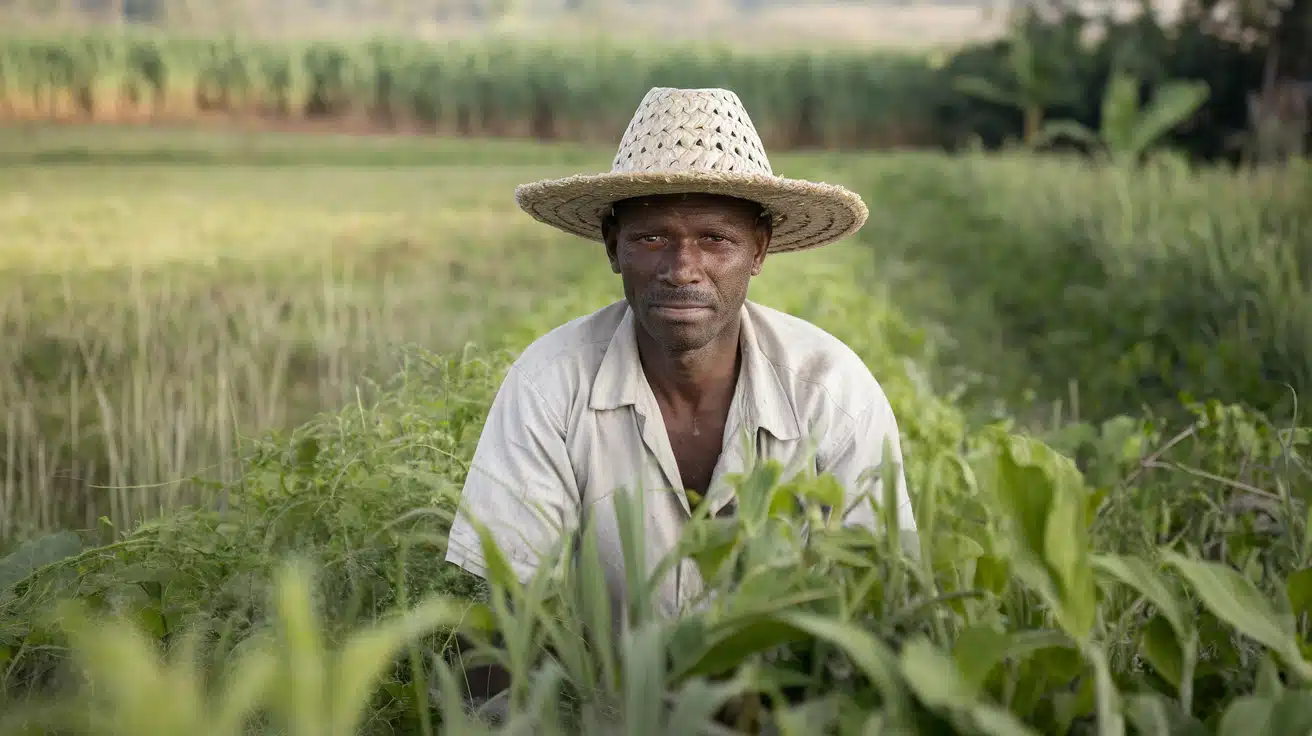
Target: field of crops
{"type": "Point", "coordinates": [305, 333]}
{"type": "Point", "coordinates": [542, 90]}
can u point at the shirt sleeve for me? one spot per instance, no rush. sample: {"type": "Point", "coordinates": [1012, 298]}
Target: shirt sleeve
{"type": "Point", "coordinates": [520, 483]}
{"type": "Point", "coordinates": [857, 460]}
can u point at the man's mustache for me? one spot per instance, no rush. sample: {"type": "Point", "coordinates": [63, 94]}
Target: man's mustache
{"type": "Point", "coordinates": [679, 298]}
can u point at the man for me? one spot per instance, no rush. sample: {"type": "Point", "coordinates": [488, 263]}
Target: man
{"type": "Point", "coordinates": [655, 392]}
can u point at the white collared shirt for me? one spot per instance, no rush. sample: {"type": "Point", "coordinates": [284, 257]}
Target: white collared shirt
{"type": "Point", "coordinates": [575, 420]}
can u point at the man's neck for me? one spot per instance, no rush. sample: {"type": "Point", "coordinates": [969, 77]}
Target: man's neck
{"type": "Point", "coordinates": [694, 378]}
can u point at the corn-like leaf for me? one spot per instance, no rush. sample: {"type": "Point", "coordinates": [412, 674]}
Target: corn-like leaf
{"type": "Point", "coordinates": [644, 678]}
{"type": "Point", "coordinates": [1235, 600]}
{"type": "Point", "coordinates": [1139, 575]}
{"type": "Point", "coordinates": [247, 685]}
{"type": "Point", "coordinates": [696, 703]}
{"type": "Point", "coordinates": [631, 518]}
{"type": "Point", "coordinates": [304, 675]}
{"type": "Point", "coordinates": [869, 654]}
{"type": "Point", "coordinates": [368, 652]}
{"type": "Point", "coordinates": [139, 693]}
{"type": "Point", "coordinates": [1247, 715]}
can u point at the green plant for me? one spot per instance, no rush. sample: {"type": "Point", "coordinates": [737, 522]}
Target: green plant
{"type": "Point", "coordinates": [1010, 624]}
{"type": "Point", "coordinates": [1128, 132]}
{"type": "Point", "coordinates": [1040, 77]}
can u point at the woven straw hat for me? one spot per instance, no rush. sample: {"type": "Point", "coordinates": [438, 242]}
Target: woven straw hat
{"type": "Point", "coordinates": [696, 141]}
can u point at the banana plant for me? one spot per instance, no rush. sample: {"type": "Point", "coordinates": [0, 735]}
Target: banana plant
{"type": "Point", "coordinates": [1039, 79]}
{"type": "Point", "coordinates": [1128, 131]}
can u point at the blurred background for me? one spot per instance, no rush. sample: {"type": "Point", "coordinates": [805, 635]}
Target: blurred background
{"type": "Point", "coordinates": [826, 74]}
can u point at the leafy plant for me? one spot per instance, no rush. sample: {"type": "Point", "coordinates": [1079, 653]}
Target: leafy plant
{"type": "Point", "coordinates": [1129, 131]}
{"type": "Point", "coordinates": [1008, 625]}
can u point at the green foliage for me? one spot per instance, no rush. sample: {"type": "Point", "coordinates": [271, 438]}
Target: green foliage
{"type": "Point", "coordinates": [805, 627]}
{"type": "Point", "coordinates": [1102, 570]}
{"type": "Point", "coordinates": [1113, 292]}
{"type": "Point", "coordinates": [1127, 131]}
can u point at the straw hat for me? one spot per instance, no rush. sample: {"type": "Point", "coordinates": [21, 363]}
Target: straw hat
{"type": "Point", "coordinates": [696, 141]}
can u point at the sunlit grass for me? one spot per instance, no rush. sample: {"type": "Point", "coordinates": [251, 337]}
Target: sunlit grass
{"type": "Point", "coordinates": [159, 314]}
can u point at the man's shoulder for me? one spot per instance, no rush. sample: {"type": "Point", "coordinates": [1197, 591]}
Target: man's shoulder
{"type": "Point", "coordinates": [576, 346]}
{"type": "Point", "coordinates": [813, 362]}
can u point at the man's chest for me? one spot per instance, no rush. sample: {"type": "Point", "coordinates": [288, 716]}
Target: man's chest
{"type": "Point", "coordinates": [623, 451]}
{"type": "Point", "coordinates": [625, 448]}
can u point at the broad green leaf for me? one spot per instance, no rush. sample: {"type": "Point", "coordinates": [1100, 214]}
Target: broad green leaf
{"type": "Point", "coordinates": [1042, 494]}
{"type": "Point", "coordinates": [1120, 112]}
{"type": "Point", "coordinates": [696, 703]}
{"type": "Point", "coordinates": [1159, 646]}
{"type": "Point", "coordinates": [1235, 600]}
{"type": "Point", "coordinates": [996, 721]}
{"type": "Point", "coordinates": [992, 574]}
{"type": "Point", "coordinates": [712, 649]}
{"type": "Point", "coordinates": [826, 491]}
{"type": "Point", "coordinates": [1298, 587]}
{"type": "Point", "coordinates": [1055, 130]}
{"type": "Point", "coordinates": [1269, 683]}
{"type": "Point", "coordinates": [934, 677]}
{"type": "Point", "coordinates": [1247, 715]}
{"type": "Point", "coordinates": [1066, 548]}
{"type": "Point", "coordinates": [981, 648]}
{"type": "Point", "coordinates": [810, 717]}
{"type": "Point", "coordinates": [1291, 713]}
{"type": "Point", "coordinates": [730, 647]}
{"type": "Point", "coordinates": [828, 549]}
{"type": "Point", "coordinates": [1172, 105]}
{"type": "Point", "coordinates": [1140, 575]}
{"type": "Point", "coordinates": [869, 654]}
{"type": "Point", "coordinates": [33, 554]}
{"type": "Point", "coordinates": [1153, 715]}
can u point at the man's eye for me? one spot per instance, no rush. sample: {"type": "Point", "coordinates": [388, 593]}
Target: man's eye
{"type": "Point", "coordinates": [650, 238]}
{"type": "Point", "coordinates": [716, 238]}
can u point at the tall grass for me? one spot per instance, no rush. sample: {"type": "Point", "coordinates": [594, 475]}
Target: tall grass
{"type": "Point", "coordinates": [1123, 289]}
{"type": "Point", "coordinates": [151, 334]}
{"type": "Point", "coordinates": [487, 88]}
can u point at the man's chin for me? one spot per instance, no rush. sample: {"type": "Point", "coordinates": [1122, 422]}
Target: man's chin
{"type": "Point", "coordinates": [680, 337]}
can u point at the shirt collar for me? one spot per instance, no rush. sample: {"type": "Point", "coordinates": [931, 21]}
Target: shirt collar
{"type": "Point", "coordinates": [764, 402]}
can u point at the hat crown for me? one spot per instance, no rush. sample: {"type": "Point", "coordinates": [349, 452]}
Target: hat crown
{"type": "Point", "coordinates": [705, 130]}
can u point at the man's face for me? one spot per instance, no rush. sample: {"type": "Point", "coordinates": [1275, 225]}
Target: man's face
{"type": "Point", "coordinates": [686, 261]}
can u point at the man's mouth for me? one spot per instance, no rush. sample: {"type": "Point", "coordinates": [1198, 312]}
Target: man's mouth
{"type": "Point", "coordinates": [678, 311]}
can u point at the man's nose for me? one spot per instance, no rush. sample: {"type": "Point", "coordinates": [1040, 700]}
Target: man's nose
{"type": "Point", "coordinates": [683, 264]}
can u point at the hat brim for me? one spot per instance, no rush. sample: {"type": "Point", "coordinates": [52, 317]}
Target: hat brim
{"type": "Point", "coordinates": [806, 214]}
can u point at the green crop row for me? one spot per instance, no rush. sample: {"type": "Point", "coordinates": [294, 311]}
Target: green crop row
{"type": "Point", "coordinates": [580, 91]}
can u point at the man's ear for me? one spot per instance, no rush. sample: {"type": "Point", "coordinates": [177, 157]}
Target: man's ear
{"type": "Point", "coordinates": [610, 234]}
{"type": "Point", "coordinates": [764, 231]}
